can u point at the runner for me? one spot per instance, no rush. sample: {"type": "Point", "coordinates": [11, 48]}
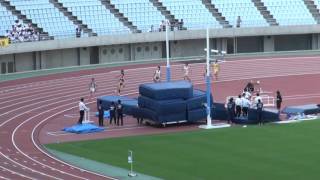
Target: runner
{"type": "Point", "coordinates": [216, 69]}
{"type": "Point", "coordinates": [121, 82]}
{"type": "Point", "coordinates": [92, 87]}
{"type": "Point", "coordinates": [186, 72]}
{"type": "Point", "coordinates": [157, 75]}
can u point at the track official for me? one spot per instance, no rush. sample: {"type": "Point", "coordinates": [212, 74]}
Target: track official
{"type": "Point", "coordinates": [259, 112]}
{"type": "Point", "coordinates": [231, 110]}
{"type": "Point", "coordinates": [119, 113]}
{"type": "Point", "coordinates": [112, 113]}
{"type": "Point", "coordinates": [82, 108]}
{"type": "Point", "coordinates": [101, 113]}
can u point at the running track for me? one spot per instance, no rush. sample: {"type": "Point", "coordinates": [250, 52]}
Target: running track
{"type": "Point", "coordinates": [26, 107]}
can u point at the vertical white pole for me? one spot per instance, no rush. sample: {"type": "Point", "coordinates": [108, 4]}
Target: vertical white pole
{"type": "Point", "coordinates": [208, 83]}
{"type": "Point", "coordinates": [168, 51]}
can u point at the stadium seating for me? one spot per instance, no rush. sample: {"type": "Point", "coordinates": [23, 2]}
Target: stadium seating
{"type": "Point", "coordinates": [194, 13]}
{"type": "Point", "coordinates": [96, 16]}
{"type": "Point", "coordinates": [141, 12]}
{"type": "Point", "coordinates": [43, 13]}
{"type": "Point", "coordinates": [289, 12]}
{"type": "Point", "coordinates": [6, 20]}
{"type": "Point", "coordinates": [249, 14]}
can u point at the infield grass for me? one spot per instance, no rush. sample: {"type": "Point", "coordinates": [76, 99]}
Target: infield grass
{"type": "Point", "coordinates": [270, 152]}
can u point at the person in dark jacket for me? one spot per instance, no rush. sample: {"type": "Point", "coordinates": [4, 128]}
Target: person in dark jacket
{"type": "Point", "coordinates": [231, 110]}
{"type": "Point", "coordinates": [119, 113]}
{"type": "Point", "coordinates": [112, 112]}
{"type": "Point", "coordinates": [101, 113]}
{"type": "Point", "coordinates": [259, 112]}
{"type": "Point", "coordinates": [278, 100]}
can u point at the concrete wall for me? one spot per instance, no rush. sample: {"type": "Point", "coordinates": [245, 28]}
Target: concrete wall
{"type": "Point", "coordinates": [249, 44]}
{"type": "Point", "coordinates": [268, 43]}
{"type": "Point", "coordinates": [143, 51]}
{"type": "Point", "coordinates": [24, 62]}
{"type": "Point", "coordinates": [113, 53]}
{"type": "Point", "coordinates": [293, 42]}
{"type": "Point", "coordinates": [187, 48]}
{"type": "Point", "coordinates": [59, 58]}
{"type": "Point", "coordinates": [84, 56]}
{"type": "Point", "coordinates": [4, 60]}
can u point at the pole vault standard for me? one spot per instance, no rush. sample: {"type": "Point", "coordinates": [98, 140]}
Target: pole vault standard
{"type": "Point", "coordinates": [209, 124]}
{"type": "Point", "coordinates": [168, 75]}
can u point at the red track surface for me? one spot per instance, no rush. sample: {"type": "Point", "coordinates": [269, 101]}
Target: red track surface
{"type": "Point", "coordinates": [31, 108]}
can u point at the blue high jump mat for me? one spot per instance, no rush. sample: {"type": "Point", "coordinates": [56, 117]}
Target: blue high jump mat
{"type": "Point", "coordinates": [167, 90]}
{"type": "Point", "coordinates": [303, 109]}
{"type": "Point", "coordinates": [83, 128]}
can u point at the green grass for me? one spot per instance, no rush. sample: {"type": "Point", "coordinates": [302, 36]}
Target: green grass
{"type": "Point", "coordinates": [269, 152]}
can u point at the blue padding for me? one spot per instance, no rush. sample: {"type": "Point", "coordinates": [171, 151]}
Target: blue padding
{"type": "Point", "coordinates": [167, 90]}
{"type": "Point", "coordinates": [219, 111]}
{"type": "Point", "coordinates": [83, 128]}
{"type": "Point", "coordinates": [306, 109]}
{"type": "Point", "coordinates": [171, 118]}
{"type": "Point", "coordinates": [162, 107]}
{"type": "Point", "coordinates": [196, 115]}
{"type": "Point", "coordinates": [268, 115]}
{"type": "Point", "coordinates": [198, 99]}
{"type": "Point", "coordinates": [129, 104]}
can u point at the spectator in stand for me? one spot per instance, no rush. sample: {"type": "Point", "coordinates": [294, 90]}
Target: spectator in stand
{"type": "Point", "coordinates": [181, 24]}
{"type": "Point", "coordinates": [78, 32]}
{"type": "Point", "coordinates": [22, 33]}
{"type": "Point", "coordinates": [239, 22]}
{"type": "Point", "coordinates": [151, 29]}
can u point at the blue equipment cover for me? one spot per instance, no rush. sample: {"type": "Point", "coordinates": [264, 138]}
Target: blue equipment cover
{"type": "Point", "coordinates": [306, 109]}
{"type": "Point", "coordinates": [167, 90]}
{"type": "Point", "coordinates": [128, 103]}
{"type": "Point", "coordinates": [162, 107]}
{"type": "Point", "coordinates": [268, 115]}
{"type": "Point", "coordinates": [83, 128]}
{"type": "Point", "coordinates": [198, 100]}
{"type": "Point", "coordinates": [197, 114]}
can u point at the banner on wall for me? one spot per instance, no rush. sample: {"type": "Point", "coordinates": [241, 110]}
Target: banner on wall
{"type": "Point", "coordinates": [4, 42]}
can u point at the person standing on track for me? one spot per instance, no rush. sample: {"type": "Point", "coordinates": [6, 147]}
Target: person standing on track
{"type": "Point", "coordinates": [186, 72]}
{"type": "Point", "coordinates": [259, 112]}
{"type": "Point", "coordinates": [121, 82]}
{"type": "Point", "coordinates": [82, 108]}
{"type": "Point", "coordinates": [278, 101]}
{"type": "Point", "coordinates": [92, 87]}
{"type": "Point", "coordinates": [216, 69]}
{"type": "Point", "coordinates": [231, 112]}
{"type": "Point", "coordinates": [157, 75]}
{"type": "Point", "coordinates": [119, 113]}
{"type": "Point", "coordinates": [112, 111]}
{"type": "Point", "coordinates": [245, 106]}
{"type": "Point", "coordinates": [101, 113]}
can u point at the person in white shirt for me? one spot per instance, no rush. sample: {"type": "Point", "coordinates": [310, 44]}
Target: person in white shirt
{"type": "Point", "coordinates": [186, 72]}
{"type": "Point", "coordinates": [238, 106]}
{"type": "Point", "coordinates": [157, 75]}
{"type": "Point", "coordinates": [257, 98]}
{"type": "Point", "coordinates": [92, 87]}
{"type": "Point", "coordinates": [82, 108]}
{"type": "Point", "coordinates": [245, 106]}
{"type": "Point", "coordinates": [247, 94]}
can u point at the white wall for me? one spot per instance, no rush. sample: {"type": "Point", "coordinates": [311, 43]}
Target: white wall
{"type": "Point", "coordinates": [114, 53]}
{"type": "Point", "coordinates": [59, 58]}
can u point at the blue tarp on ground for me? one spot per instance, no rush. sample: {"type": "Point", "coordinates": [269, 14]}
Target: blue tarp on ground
{"type": "Point", "coordinates": [83, 128]}
{"type": "Point", "coordinates": [303, 109]}
{"type": "Point", "coordinates": [167, 90]}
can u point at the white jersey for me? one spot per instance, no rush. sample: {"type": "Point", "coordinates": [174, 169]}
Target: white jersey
{"type": "Point", "coordinates": [186, 70]}
{"type": "Point", "coordinates": [157, 74]}
{"type": "Point", "coordinates": [256, 99]}
{"type": "Point", "coordinates": [83, 107]}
